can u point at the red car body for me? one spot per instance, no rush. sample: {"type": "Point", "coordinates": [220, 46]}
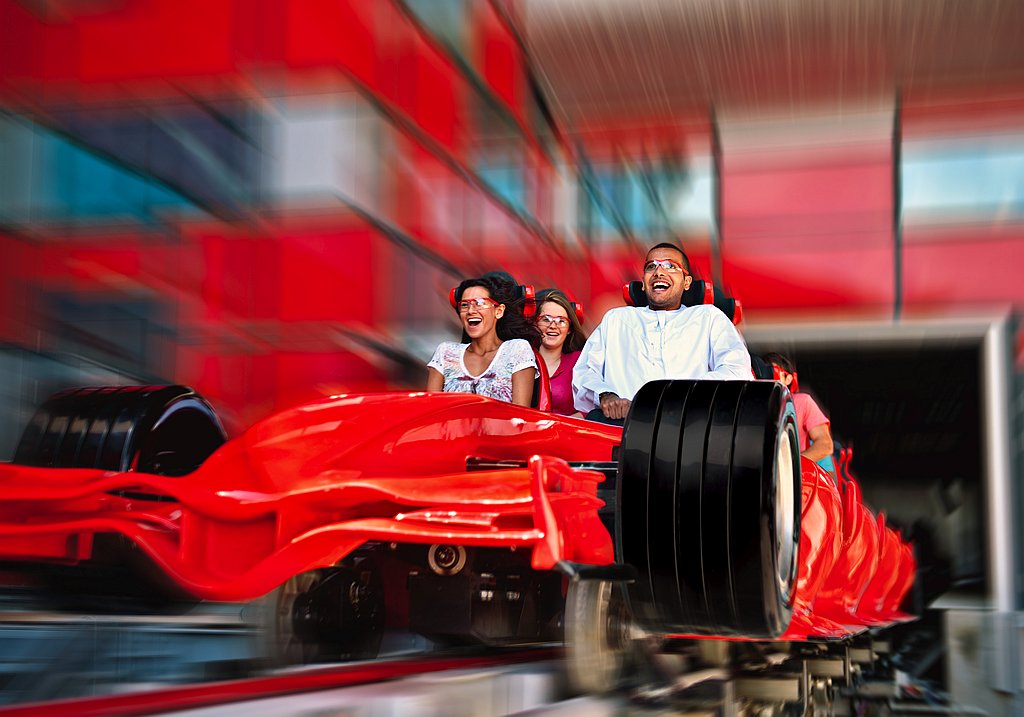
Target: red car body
{"type": "Point", "coordinates": [304, 488]}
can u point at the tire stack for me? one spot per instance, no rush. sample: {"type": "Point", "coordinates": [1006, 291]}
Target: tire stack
{"type": "Point", "coordinates": [708, 507]}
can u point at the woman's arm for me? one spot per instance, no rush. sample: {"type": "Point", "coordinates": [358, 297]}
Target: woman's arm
{"type": "Point", "coordinates": [435, 381]}
{"type": "Point", "coordinates": [522, 386]}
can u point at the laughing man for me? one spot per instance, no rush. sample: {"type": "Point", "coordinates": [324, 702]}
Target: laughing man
{"type": "Point", "coordinates": [663, 340]}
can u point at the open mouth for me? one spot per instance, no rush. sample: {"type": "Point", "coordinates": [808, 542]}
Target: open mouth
{"type": "Point", "coordinates": [474, 322]}
{"type": "Point", "coordinates": [660, 286]}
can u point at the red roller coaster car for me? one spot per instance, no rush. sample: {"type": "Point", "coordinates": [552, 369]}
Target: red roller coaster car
{"type": "Point", "coordinates": [463, 518]}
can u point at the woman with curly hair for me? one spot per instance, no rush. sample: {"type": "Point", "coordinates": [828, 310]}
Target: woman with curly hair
{"type": "Point", "coordinates": [562, 339]}
{"type": "Point", "coordinates": [496, 356]}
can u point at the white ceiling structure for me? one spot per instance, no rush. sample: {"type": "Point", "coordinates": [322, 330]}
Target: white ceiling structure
{"type": "Point", "coordinates": [626, 61]}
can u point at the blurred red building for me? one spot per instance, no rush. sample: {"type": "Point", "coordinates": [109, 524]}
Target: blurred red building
{"type": "Point", "coordinates": [269, 200]}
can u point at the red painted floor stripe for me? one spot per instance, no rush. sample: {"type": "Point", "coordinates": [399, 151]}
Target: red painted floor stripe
{"type": "Point", "coordinates": [217, 693]}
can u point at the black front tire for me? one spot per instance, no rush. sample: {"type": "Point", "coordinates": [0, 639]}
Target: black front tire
{"type": "Point", "coordinates": [161, 430]}
{"type": "Point", "coordinates": [708, 507]}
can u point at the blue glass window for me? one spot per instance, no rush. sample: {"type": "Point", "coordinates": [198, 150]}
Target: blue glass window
{"type": "Point", "coordinates": [969, 179]}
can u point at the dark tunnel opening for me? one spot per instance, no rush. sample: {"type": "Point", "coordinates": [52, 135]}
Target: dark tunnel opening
{"type": "Point", "coordinates": [912, 411]}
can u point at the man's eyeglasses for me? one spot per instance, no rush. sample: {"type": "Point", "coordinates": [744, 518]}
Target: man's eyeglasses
{"type": "Point", "coordinates": [480, 303]}
{"type": "Point", "coordinates": [548, 320]}
{"type": "Point", "coordinates": [668, 265]}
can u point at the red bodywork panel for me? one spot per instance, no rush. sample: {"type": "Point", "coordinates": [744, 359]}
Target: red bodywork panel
{"type": "Point", "coordinates": [304, 488]}
{"type": "Point", "coordinates": [854, 572]}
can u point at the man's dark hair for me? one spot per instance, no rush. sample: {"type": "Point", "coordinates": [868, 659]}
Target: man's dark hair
{"type": "Point", "coordinates": [673, 247]}
{"type": "Point", "coordinates": [783, 362]}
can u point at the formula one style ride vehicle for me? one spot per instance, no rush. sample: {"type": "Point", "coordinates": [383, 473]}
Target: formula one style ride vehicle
{"type": "Point", "coordinates": [462, 518]}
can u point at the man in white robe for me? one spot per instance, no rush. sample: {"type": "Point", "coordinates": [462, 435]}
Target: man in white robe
{"type": "Point", "coordinates": [664, 340]}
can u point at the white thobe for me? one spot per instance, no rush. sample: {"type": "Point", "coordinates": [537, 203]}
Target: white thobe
{"type": "Point", "coordinates": [635, 345]}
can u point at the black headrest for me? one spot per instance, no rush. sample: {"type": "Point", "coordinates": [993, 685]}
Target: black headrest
{"type": "Point", "coordinates": [700, 292]}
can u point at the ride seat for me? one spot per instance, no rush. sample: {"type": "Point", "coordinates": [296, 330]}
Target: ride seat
{"type": "Point", "coordinates": [541, 386]}
{"type": "Point", "coordinates": [762, 369]}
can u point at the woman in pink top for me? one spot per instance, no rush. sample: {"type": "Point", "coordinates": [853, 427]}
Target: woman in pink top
{"type": "Point", "coordinates": [562, 339]}
{"type": "Point", "coordinates": [812, 423]}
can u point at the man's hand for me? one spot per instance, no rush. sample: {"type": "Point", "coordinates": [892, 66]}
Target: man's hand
{"type": "Point", "coordinates": [614, 407]}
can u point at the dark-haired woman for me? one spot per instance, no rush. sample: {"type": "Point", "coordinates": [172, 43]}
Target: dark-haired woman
{"type": "Point", "coordinates": [498, 360]}
{"type": "Point", "coordinates": [562, 339]}
{"type": "Point", "coordinates": [813, 425]}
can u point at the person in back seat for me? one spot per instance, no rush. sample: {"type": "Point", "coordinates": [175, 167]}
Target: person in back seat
{"type": "Point", "coordinates": [498, 360]}
{"type": "Point", "coordinates": [663, 340]}
{"type": "Point", "coordinates": [562, 338]}
{"type": "Point", "coordinates": [812, 424]}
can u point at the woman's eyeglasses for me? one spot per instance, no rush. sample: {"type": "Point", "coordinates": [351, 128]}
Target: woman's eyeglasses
{"type": "Point", "coordinates": [548, 320]}
{"type": "Point", "coordinates": [668, 265]}
{"type": "Point", "coordinates": [479, 303]}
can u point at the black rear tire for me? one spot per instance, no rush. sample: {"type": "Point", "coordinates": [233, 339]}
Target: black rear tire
{"type": "Point", "coordinates": [328, 615]}
{"type": "Point", "coordinates": [708, 507]}
{"type": "Point", "coordinates": [161, 430]}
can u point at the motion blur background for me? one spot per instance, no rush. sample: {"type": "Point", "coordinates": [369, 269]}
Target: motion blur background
{"type": "Point", "coordinates": [268, 200]}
